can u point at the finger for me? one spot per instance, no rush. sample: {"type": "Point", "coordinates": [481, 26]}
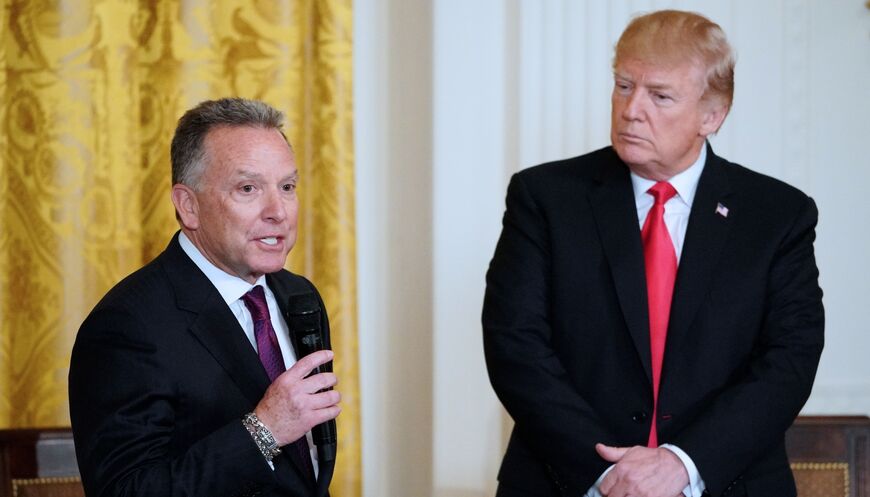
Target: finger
{"type": "Point", "coordinates": [610, 454]}
{"type": "Point", "coordinates": [614, 486]}
{"type": "Point", "coordinates": [325, 399]}
{"type": "Point", "coordinates": [305, 365]}
{"type": "Point", "coordinates": [325, 414]}
{"type": "Point", "coordinates": [607, 484]}
{"type": "Point", "coordinates": [321, 381]}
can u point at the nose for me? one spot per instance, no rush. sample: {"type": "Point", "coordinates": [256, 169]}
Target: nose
{"type": "Point", "coordinates": [275, 206]}
{"type": "Point", "coordinates": [633, 109]}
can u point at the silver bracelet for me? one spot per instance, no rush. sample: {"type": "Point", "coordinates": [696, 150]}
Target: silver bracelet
{"type": "Point", "coordinates": [262, 436]}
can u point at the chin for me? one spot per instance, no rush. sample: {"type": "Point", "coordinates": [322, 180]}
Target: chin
{"type": "Point", "coordinates": [274, 268]}
{"type": "Point", "coordinates": [270, 266]}
{"type": "Point", "coordinates": [630, 155]}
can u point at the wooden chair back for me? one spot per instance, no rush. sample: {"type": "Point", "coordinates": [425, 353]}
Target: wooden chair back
{"type": "Point", "coordinates": [38, 463]}
{"type": "Point", "coordinates": [830, 455]}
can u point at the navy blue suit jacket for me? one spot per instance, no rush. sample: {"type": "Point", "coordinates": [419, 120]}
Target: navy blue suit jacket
{"type": "Point", "coordinates": [160, 377]}
{"type": "Point", "coordinates": [566, 331]}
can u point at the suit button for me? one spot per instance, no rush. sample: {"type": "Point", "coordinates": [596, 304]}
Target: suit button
{"type": "Point", "coordinates": [639, 416]}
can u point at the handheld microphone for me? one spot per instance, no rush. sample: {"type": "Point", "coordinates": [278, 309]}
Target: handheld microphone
{"type": "Point", "coordinates": [303, 319]}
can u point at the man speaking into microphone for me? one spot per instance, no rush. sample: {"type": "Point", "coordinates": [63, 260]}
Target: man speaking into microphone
{"type": "Point", "coordinates": [187, 379]}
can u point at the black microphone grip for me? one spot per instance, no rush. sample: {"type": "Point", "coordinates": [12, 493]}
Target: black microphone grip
{"type": "Point", "coordinates": [303, 319]}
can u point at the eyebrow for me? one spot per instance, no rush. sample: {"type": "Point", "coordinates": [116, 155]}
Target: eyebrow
{"type": "Point", "coordinates": [244, 174]}
{"type": "Point", "coordinates": [659, 86]}
{"type": "Point", "coordinates": [649, 84]}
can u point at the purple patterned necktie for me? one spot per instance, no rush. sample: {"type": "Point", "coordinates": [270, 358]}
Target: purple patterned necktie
{"type": "Point", "coordinates": [270, 355]}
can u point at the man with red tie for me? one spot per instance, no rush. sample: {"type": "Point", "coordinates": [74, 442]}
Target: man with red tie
{"type": "Point", "coordinates": [183, 379]}
{"type": "Point", "coordinates": [652, 319]}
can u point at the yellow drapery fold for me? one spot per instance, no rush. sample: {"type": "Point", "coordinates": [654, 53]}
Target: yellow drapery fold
{"type": "Point", "coordinates": [90, 91]}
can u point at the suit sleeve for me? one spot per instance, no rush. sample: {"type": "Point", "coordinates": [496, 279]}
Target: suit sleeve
{"type": "Point", "coordinates": [123, 409]}
{"type": "Point", "coordinates": [751, 415]}
{"type": "Point", "coordinates": [551, 417]}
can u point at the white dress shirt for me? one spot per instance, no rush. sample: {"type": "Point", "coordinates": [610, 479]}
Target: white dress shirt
{"type": "Point", "coordinates": [676, 215]}
{"type": "Point", "coordinates": [678, 207]}
{"type": "Point", "coordinates": [231, 289]}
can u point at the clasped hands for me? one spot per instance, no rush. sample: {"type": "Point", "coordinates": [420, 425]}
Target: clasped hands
{"type": "Point", "coordinates": [642, 472]}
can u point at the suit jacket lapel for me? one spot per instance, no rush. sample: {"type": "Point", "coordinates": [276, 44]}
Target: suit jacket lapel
{"type": "Point", "coordinates": [214, 325]}
{"type": "Point", "coordinates": [705, 237]}
{"type": "Point", "coordinates": [615, 213]}
{"type": "Point", "coordinates": [217, 329]}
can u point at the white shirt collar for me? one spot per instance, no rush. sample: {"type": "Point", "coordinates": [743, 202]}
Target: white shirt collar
{"type": "Point", "coordinates": [230, 287]}
{"type": "Point", "coordinates": [685, 183]}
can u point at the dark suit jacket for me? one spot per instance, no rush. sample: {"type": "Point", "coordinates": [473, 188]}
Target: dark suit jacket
{"type": "Point", "coordinates": [160, 377]}
{"type": "Point", "coordinates": [566, 331]}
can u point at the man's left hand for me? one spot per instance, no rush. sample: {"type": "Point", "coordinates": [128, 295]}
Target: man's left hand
{"type": "Point", "coordinates": [642, 472]}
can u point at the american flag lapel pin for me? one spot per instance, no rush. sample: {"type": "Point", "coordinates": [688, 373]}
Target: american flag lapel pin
{"type": "Point", "coordinates": [721, 209]}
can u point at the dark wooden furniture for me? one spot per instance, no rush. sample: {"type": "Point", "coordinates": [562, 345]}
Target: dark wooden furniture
{"type": "Point", "coordinates": [38, 463]}
{"type": "Point", "coordinates": [830, 455]}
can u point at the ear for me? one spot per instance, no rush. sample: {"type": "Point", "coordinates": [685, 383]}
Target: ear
{"type": "Point", "coordinates": [186, 206]}
{"type": "Point", "coordinates": [714, 116]}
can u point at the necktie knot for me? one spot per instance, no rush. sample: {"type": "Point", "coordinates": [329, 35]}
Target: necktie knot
{"type": "Point", "coordinates": [255, 301]}
{"type": "Point", "coordinates": [662, 192]}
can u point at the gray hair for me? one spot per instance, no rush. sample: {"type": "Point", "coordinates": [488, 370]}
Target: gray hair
{"type": "Point", "coordinates": [187, 153]}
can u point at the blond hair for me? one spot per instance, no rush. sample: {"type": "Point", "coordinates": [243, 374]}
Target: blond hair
{"type": "Point", "coordinates": [671, 37]}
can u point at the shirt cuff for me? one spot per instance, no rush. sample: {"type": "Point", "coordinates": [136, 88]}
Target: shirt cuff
{"type": "Point", "coordinates": [594, 492]}
{"type": "Point", "coordinates": [696, 485]}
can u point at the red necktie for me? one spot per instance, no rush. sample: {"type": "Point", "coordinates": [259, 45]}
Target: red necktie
{"type": "Point", "coordinates": [660, 261]}
{"type": "Point", "coordinates": [270, 355]}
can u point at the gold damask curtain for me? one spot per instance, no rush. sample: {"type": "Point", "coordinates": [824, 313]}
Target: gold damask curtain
{"type": "Point", "coordinates": [90, 91]}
